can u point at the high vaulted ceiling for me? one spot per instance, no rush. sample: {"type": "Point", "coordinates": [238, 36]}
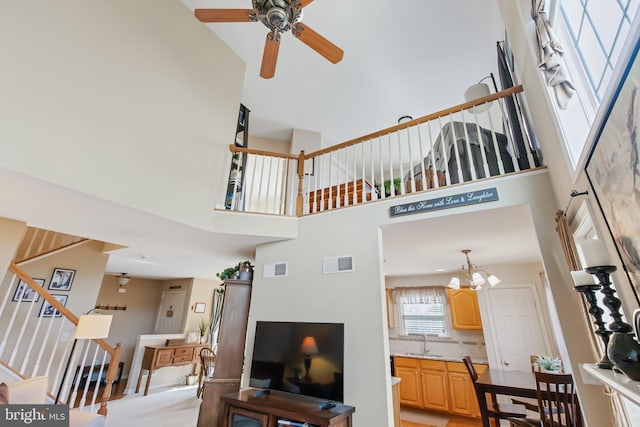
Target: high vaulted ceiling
{"type": "Point", "coordinates": [409, 57]}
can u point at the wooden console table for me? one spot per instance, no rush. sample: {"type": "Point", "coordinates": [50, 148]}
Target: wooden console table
{"type": "Point", "coordinates": [161, 356]}
{"type": "Point", "coordinates": [267, 409]}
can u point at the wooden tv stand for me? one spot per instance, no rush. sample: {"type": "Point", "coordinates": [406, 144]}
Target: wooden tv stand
{"type": "Point", "coordinates": [267, 409]}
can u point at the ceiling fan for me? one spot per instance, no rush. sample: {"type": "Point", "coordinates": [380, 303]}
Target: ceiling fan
{"type": "Point", "coordinates": [278, 16]}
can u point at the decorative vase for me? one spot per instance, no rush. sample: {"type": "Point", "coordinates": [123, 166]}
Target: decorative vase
{"type": "Point", "coordinates": [624, 352]}
{"type": "Point", "coordinates": [245, 274]}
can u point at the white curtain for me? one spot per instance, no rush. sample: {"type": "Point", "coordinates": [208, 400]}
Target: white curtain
{"type": "Point", "coordinates": [419, 295]}
{"type": "Point", "coordinates": [550, 54]}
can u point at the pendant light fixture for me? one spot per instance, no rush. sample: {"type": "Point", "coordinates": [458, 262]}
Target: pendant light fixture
{"type": "Point", "coordinates": [472, 275]}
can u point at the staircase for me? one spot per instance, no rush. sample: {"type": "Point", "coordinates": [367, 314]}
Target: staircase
{"type": "Point", "coordinates": [36, 342]}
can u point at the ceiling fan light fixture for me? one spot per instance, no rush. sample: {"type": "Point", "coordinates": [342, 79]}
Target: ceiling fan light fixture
{"type": "Point", "coordinates": [278, 16]}
{"type": "Point", "coordinates": [123, 279]}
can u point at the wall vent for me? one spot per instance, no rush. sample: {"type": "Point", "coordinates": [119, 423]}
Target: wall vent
{"type": "Point", "coordinates": [276, 269]}
{"type": "Point", "coordinates": [338, 264]}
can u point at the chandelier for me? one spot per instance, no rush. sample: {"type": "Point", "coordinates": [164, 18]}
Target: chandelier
{"type": "Point", "coordinates": [472, 275]}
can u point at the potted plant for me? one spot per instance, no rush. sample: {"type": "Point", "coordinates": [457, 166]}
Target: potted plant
{"type": "Point", "coordinates": [548, 364]}
{"type": "Point", "coordinates": [228, 273]}
{"type": "Point", "coordinates": [204, 329]}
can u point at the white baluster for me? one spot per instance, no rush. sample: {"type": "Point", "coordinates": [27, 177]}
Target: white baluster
{"type": "Point", "coordinates": [3, 344]}
{"type": "Point", "coordinates": [45, 339]}
{"type": "Point", "coordinates": [34, 335]}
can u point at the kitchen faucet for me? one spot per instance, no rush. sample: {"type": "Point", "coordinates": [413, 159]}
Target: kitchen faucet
{"type": "Point", "coordinates": [425, 347]}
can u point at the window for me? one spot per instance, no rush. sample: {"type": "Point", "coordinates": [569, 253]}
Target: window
{"type": "Point", "coordinates": [598, 30]}
{"type": "Point", "coordinates": [422, 310]}
{"type": "Point", "coordinates": [423, 318]}
{"type": "Point", "coordinates": [592, 33]}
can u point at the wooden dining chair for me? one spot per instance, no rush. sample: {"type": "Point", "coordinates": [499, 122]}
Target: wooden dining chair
{"type": "Point", "coordinates": [514, 413]}
{"type": "Point", "coordinates": [557, 400]}
{"type": "Point", "coordinates": [207, 365]}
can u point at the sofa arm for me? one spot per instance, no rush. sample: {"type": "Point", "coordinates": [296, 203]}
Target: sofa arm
{"type": "Point", "coordinates": [85, 419]}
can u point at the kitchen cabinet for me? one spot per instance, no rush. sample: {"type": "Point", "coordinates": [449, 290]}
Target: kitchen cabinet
{"type": "Point", "coordinates": [463, 400]}
{"type": "Point", "coordinates": [435, 394]}
{"type": "Point", "coordinates": [465, 312]}
{"type": "Point", "coordinates": [437, 385]}
{"type": "Point", "coordinates": [408, 370]}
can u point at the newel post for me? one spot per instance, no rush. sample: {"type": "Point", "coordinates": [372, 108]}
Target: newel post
{"type": "Point", "coordinates": [300, 198]}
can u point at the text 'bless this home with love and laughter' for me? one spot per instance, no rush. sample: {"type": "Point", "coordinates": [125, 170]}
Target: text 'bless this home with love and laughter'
{"type": "Point", "coordinates": [446, 202]}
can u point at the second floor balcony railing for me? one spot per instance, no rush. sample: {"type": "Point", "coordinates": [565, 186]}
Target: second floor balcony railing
{"type": "Point", "coordinates": [476, 140]}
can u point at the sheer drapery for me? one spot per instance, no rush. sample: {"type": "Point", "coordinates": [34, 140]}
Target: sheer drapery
{"type": "Point", "coordinates": [419, 295]}
{"type": "Point", "coordinates": [550, 54]}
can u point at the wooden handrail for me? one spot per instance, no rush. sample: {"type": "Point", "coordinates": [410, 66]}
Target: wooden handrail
{"type": "Point", "coordinates": [235, 149]}
{"type": "Point", "coordinates": [429, 117]}
{"type": "Point", "coordinates": [114, 353]}
{"type": "Point", "coordinates": [43, 293]}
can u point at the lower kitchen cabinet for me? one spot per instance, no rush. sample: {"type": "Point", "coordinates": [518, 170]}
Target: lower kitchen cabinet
{"type": "Point", "coordinates": [433, 375]}
{"type": "Point", "coordinates": [408, 370]}
{"type": "Point", "coordinates": [463, 400]}
{"type": "Point", "coordinates": [437, 385]}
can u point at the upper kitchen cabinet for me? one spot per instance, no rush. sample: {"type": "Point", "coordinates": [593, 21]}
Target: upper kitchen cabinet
{"type": "Point", "coordinates": [465, 312]}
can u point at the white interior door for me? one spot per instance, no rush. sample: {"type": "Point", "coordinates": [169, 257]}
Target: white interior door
{"type": "Point", "coordinates": [518, 325]}
{"type": "Point", "coordinates": [170, 312]}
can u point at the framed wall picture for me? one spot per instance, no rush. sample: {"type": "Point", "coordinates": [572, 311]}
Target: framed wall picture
{"type": "Point", "coordinates": [24, 292]}
{"type": "Point", "coordinates": [613, 166]}
{"type": "Point", "coordinates": [199, 307]}
{"type": "Point", "coordinates": [47, 310]}
{"type": "Point", "coordinates": [61, 279]}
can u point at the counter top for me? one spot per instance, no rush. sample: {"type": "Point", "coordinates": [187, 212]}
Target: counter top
{"type": "Point", "coordinates": [438, 357]}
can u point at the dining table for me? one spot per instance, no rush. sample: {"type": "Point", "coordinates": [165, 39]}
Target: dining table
{"type": "Point", "coordinates": [500, 382]}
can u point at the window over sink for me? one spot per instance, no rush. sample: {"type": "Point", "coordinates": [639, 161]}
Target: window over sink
{"type": "Point", "coordinates": [422, 310]}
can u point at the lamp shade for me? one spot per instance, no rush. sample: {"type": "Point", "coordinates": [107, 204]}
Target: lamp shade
{"type": "Point", "coordinates": [478, 90]}
{"type": "Point", "coordinates": [454, 283]}
{"type": "Point", "coordinates": [493, 280]}
{"type": "Point", "coordinates": [477, 279]}
{"type": "Point", "coordinates": [309, 346]}
{"type": "Point", "coordinates": [93, 326]}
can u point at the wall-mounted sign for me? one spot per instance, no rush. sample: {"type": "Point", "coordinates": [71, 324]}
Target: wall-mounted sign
{"type": "Point", "coordinates": [446, 202]}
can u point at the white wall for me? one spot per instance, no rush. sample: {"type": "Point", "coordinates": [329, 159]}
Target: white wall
{"type": "Point", "coordinates": [125, 92]}
{"type": "Point", "coordinates": [357, 298]}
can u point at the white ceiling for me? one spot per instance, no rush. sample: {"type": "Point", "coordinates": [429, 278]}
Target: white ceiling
{"type": "Point", "coordinates": [409, 57]}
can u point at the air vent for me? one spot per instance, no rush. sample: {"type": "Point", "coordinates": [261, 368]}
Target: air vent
{"type": "Point", "coordinates": [276, 269]}
{"type": "Point", "coordinates": [339, 264]}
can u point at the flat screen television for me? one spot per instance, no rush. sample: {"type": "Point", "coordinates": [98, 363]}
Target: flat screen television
{"type": "Point", "coordinates": [299, 357]}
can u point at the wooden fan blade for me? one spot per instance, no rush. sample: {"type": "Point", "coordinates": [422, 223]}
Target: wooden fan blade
{"type": "Point", "coordinates": [223, 15]}
{"type": "Point", "coordinates": [270, 55]}
{"type": "Point", "coordinates": [318, 43]}
{"type": "Point", "coordinates": [305, 3]}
